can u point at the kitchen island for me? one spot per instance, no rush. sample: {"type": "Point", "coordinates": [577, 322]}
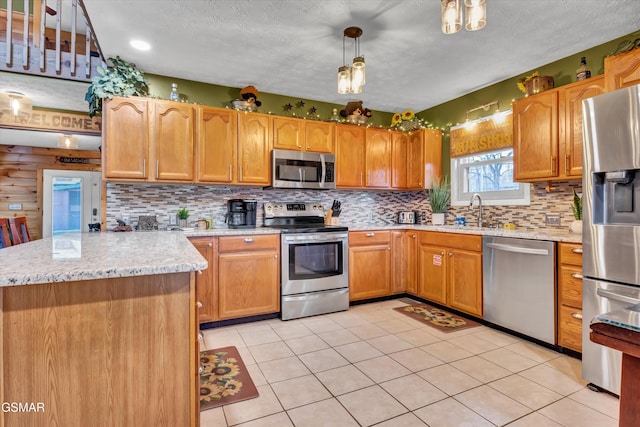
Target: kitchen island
{"type": "Point", "coordinates": [99, 329]}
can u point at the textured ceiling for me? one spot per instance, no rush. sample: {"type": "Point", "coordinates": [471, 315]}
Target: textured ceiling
{"type": "Point", "coordinates": [294, 47]}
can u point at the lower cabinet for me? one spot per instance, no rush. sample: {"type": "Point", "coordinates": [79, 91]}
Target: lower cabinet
{"type": "Point", "coordinates": [369, 264]}
{"type": "Point", "coordinates": [570, 296]}
{"type": "Point", "coordinates": [450, 270]}
{"type": "Point", "coordinates": [243, 278]}
{"type": "Point", "coordinates": [399, 261]}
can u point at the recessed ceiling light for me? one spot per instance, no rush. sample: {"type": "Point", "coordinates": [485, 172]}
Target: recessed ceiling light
{"type": "Point", "coordinates": [140, 45]}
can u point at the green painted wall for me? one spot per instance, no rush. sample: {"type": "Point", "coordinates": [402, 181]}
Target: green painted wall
{"type": "Point", "coordinates": [221, 96]}
{"type": "Point", "coordinates": [453, 112]}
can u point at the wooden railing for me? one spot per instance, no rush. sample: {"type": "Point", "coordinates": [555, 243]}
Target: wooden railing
{"type": "Point", "coordinates": [33, 41]}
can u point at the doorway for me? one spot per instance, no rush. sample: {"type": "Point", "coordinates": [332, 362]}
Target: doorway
{"type": "Point", "coordinates": [70, 201]}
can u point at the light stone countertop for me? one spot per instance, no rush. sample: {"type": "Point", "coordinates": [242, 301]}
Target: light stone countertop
{"type": "Point", "coordinates": [224, 231]}
{"type": "Point", "coordinates": [90, 256]}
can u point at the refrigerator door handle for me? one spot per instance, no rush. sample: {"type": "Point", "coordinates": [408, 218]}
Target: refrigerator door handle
{"type": "Point", "coordinates": [616, 297]}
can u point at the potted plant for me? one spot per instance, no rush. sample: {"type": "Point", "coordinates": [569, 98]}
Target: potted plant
{"type": "Point", "coordinates": [439, 196]}
{"type": "Point", "coordinates": [576, 207]}
{"type": "Point", "coordinates": [119, 79]}
{"type": "Point", "coordinates": [182, 214]}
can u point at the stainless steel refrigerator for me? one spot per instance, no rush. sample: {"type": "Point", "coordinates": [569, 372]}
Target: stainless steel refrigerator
{"type": "Point", "coordinates": [611, 221]}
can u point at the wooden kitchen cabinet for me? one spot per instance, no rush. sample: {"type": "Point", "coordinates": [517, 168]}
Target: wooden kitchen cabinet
{"type": "Point", "coordinates": [148, 140]}
{"type": "Point", "coordinates": [207, 280]}
{"type": "Point", "coordinates": [291, 133]}
{"type": "Point", "coordinates": [450, 270]}
{"type": "Point", "coordinates": [399, 159]}
{"type": "Point", "coordinates": [398, 261]}
{"type": "Point", "coordinates": [424, 158]}
{"type": "Point", "coordinates": [547, 132]}
{"type": "Point", "coordinates": [217, 137]}
{"type": "Point", "coordinates": [254, 149]}
{"type": "Point", "coordinates": [350, 156]}
{"type": "Point", "coordinates": [570, 296]}
{"type": "Point", "coordinates": [622, 70]}
{"type": "Point", "coordinates": [377, 158]}
{"type": "Point", "coordinates": [248, 275]}
{"type": "Point", "coordinates": [411, 250]}
{"type": "Point", "coordinates": [369, 264]}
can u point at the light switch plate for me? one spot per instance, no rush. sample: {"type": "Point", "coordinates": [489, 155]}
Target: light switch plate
{"type": "Point", "coordinates": [15, 206]}
{"type": "Point", "coordinates": [552, 219]}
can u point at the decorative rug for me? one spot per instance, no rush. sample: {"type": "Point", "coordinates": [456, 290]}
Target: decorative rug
{"type": "Point", "coordinates": [224, 378]}
{"type": "Point", "coordinates": [437, 318]}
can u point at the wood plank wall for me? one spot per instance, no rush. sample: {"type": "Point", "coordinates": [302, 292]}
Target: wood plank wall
{"type": "Point", "coordinates": [21, 178]}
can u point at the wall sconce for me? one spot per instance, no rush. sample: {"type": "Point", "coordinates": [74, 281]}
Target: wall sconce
{"type": "Point", "coordinates": [68, 141]}
{"type": "Point", "coordinates": [485, 107]}
{"type": "Point", "coordinates": [475, 11]}
{"type": "Point", "coordinates": [16, 104]}
{"type": "Point", "coordinates": [351, 79]}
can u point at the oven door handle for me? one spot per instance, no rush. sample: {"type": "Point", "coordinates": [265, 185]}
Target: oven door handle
{"type": "Point", "coordinates": [315, 295]}
{"type": "Point", "coordinates": [311, 238]}
{"type": "Point", "coordinates": [616, 297]}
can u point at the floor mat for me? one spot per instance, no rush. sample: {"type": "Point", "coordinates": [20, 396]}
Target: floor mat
{"type": "Point", "coordinates": [437, 318]}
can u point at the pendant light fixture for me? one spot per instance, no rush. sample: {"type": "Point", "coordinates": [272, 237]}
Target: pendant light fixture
{"type": "Point", "coordinates": [15, 103]}
{"type": "Point", "coordinates": [475, 11]}
{"type": "Point", "coordinates": [352, 78]}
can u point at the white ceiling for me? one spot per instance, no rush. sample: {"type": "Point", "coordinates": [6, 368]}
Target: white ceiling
{"type": "Point", "coordinates": [294, 47]}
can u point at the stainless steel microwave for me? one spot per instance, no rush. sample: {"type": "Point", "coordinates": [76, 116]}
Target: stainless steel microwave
{"type": "Point", "coordinates": [299, 169]}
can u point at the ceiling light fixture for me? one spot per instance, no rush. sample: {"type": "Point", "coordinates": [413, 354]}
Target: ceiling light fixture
{"type": "Point", "coordinates": [475, 11]}
{"type": "Point", "coordinates": [15, 103]}
{"type": "Point", "coordinates": [140, 44]}
{"type": "Point", "coordinates": [68, 141]}
{"type": "Point", "coordinates": [351, 79]}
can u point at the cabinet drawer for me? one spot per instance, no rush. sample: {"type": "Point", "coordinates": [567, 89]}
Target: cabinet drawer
{"type": "Point", "coordinates": [570, 253]}
{"type": "Point", "coordinates": [363, 238]}
{"type": "Point", "coordinates": [570, 285]}
{"type": "Point", "coordinates": [469, 242]}
{"type": "Point", "coordinates": [248, 243]}
{"type": "Point", "coordinates": [570, 328]}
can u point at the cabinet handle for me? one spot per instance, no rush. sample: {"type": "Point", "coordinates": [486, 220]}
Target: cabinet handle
{"type": "Point", "coordinates": [368, 177]}
{"type": "Point", "coordinates": [388, 248]}
{"type": "Point", "coordinates": [576, 250]}
{"type": "Point", "coordinates": [275, 256]}
{"type": "Point", "coordinates": [576, 315]}
{"type": "Point", "coordinates": [553, 164]}
{"type": "Point", "coordinates": [308, 147]}
{"type": "Point", "coordinates": [566, 163]}
{"type": "Point", "coordinates": [199, 304]}
{"type": "Point", "coordinates": [230, 172]}
{"type": "Point", "coordinates": [144, 168]}
{"type": "Point", "coordinates": [370, 234]}
{"type": "Point", "coordinates": [157, 167]}
{"type": "Point", "coordinates": [200, 273]}
{"type": "Point", "coordinates": [413, 236]}
{"type": "Point", "coordinates": [576, 276]}
{"type": "Point", "coordinates": [210, 244]}
{"type": "Point", "coordinates": [248, 240]}
{"type": "Point", "coordinates": [450, 254]}
{"type": "Point", "coordinates": [442, 253]}
{"type": "Point", "coordinates": [360, 179]}
{"type": "Point", "coordinates": [299, 146]}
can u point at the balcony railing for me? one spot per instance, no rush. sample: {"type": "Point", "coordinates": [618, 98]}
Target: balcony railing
{"type": "Point", "coordinates": [48, 38]}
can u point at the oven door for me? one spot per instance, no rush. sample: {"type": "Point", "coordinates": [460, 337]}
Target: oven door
{"type": "Point", "coordinates": [314, 262]}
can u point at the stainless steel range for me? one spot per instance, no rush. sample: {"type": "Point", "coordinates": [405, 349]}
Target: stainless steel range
{"type": "Point", "coordinates": [314, 259]}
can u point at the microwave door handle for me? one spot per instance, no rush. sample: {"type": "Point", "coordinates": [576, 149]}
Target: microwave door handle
{"type": "Point", "coordinates": [616, 297]}
{"type": "Point", "coordinates": [304, 175]}
{"type": "Point", "coordinates": [300, 173]}
{"type": "Point", "coordinates": [324, 169]}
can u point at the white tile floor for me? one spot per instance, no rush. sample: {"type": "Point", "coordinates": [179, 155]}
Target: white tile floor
{"type": "Point", "coordinates": [371, 365]}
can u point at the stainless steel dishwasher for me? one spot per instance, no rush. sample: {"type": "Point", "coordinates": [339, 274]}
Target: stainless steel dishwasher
{"type": "Point", "coordinates": [519, 285]}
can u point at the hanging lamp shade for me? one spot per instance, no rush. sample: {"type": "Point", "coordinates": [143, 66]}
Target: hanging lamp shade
{"type": "Point", "coordinates": [451, 16]}
{"type": "Point", "coordinates": [476, 14]}
{"type": "Point", "coordinates": [344, 80]}
{"type": "Point", "coordinates": [351, 79]}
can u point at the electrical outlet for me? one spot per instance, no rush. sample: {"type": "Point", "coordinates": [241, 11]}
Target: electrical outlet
{"type": "Point", "coordinates": [552, 219]}
{"type": "Point", "coordinates": [370, 216]}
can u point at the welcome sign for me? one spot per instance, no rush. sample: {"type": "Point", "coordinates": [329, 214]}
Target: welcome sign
{"type": "Point", "coordinates": [488, 134]}
{"type": "Point", "coordinates": [53, 121]}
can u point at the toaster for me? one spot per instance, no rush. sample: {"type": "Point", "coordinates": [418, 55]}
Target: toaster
{"type": "Point", "coordinates": [406, 217]}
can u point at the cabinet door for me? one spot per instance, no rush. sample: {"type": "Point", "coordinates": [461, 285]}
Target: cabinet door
{"type": "Point", "coordinates": [432, 273]}
{"type": "Point", "coordinates": [378, 158]}
{"type": "Point", "coordinates": [412, 262]}
{"type": "Point", "coordinates": [206, 289]}
{"type": "Point", "coordinates": [254, 149]}
{"type": "Point", "coordinates": [125, 151]}
{"type": "Point", "coordinates": [171, 142]}
{"type": "Point", "coordinates": [535, 137]}
{"type": "Point", "coordinates": [431, 168]}
{"type": "Point", "coordinates": [248, 284]}
{"type": "Point", "coordinates": [622, 70]}
{"type": "Point", "coordinates": [415, 160]}
{"type": "Point", "coordinates": [399, 160]}
{"type": "Point", "coordinates": [571, 101]}
{"type": "Point", "coordinates": [319, 136]}
{"type": "Point", "coordinates": [288, 133]}
{"type": "Point", "coordinates": [465, 281]}
{"type": "Point", "coordinates": [399, 262]}
{"type": "Point", "coordinates": [217, 141]}
{"type": "Point", "coordinates": [369, 271]}
{"type": "Point", "coordinates": [350, 152]}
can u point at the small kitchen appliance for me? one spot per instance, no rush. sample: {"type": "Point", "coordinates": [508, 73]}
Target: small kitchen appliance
{"type": "Point", "coordinates": [303, 170]}
{"type": "Point", "coordinates": [314, 259]}
{"type": "Point", "coordinates": [406, 217]}
{"type": "Point", "coordinates": [241, 213]}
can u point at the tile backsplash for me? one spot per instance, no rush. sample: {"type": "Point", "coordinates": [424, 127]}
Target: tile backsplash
{"type": "Point", "coordinates": [359, 208]}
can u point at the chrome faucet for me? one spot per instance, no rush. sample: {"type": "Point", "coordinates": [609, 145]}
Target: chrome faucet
{"type": "Point", "coordinates": [479, 207]}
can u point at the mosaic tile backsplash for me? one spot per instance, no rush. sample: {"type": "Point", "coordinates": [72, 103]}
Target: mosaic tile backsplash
{"type": "Point", "coordinates": [359, 208]}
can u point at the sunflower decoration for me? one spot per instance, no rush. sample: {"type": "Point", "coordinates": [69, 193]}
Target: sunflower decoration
{"type": "Point", "coordinates": [406, 121]}
{"type": "Point", "coordinates": [397, 118]}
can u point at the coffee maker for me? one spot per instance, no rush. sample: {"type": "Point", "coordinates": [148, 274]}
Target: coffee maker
{"type": "Point", "coordinates": [241, 213]}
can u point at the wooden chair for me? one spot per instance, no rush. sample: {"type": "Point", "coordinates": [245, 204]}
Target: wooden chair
{"type": "Point", "coordinates": [19, 230]}
{"type": "Point", "coordinates": [5, 240]}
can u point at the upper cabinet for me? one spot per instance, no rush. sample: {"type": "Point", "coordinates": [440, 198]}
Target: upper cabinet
{"type": "Point", "coordinates": [622, 70]}
{"type": "Point", "coordinates": [254, 149]}
{"type": "Point", "coordinates": [291, 133]}
{"type": "Point", "coordinates": [217, 143]}
{"type": "Point", "coordinates": [148, 140]}
{"type": "Point", "coordinates": [424, 158]}
{"type": "Point", "coordinates": [350, 155]}
{"type": "Point", "coordinates": [378, 158]}
{"type": "Point", "coordinates": [547, 132]}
